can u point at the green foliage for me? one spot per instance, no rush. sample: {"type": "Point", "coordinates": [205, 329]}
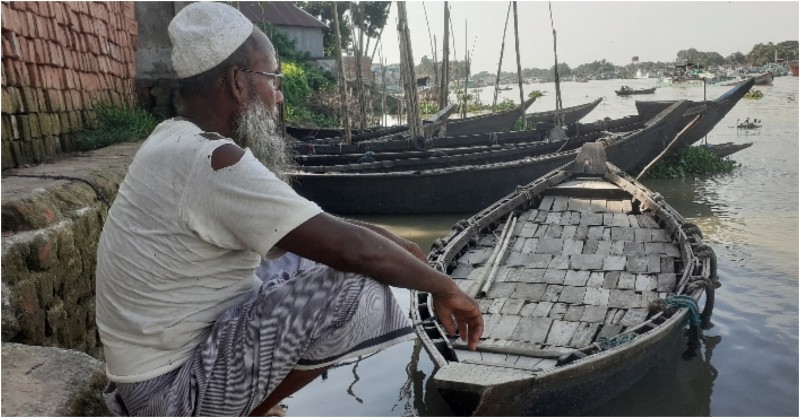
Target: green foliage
{"type": "Point", "coordinates": [762, 54]}
{"type": "Point", "coordinates": [753, 94]}
{"type": "Point", "coordinates": [692, 161]}
{"type": "Point", "coordinates": [535, 93]}
{"type": "Point", "coordinates": [302, 116]}
{"type": "Point", "coordinates": [116, 124]}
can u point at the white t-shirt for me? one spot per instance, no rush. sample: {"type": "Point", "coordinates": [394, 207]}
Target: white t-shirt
{"type": "Point", "coordinates": [181, 245]}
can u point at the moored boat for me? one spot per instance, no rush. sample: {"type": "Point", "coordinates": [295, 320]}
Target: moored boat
{"type": "Point", "coordinates": [571, 114]}
{"type": "Point", "coordinates": [468, 182]}
{"type": "Point", "coordinates": [713, 111]}
{"type": "Point", "coordinates": [585, 279]}
{"type": "Point", "coordinates": [627, 91]}
{"type": "Point", "coordinates": [727, 148]}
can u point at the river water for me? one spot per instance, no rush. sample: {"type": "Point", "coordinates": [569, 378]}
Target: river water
{"type": "Point", "coordinates": [749, 364]}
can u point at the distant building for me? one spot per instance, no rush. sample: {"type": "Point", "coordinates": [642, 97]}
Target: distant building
{"type": "Point", "coordinates": [306, 30]}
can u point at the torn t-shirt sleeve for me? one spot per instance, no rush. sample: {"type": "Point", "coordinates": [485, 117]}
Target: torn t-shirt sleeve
{"type": "Point", "coordinates": [243, 206]}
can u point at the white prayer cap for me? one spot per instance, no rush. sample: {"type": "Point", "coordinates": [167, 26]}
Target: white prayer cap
{"type": "Point", "coordinates": [204, 34]}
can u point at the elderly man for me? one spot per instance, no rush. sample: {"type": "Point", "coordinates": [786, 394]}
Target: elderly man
{"type": "Point", "coordinates": [187, 325]}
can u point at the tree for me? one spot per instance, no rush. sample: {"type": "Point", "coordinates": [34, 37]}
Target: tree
{"type": "Point", "coordinates": [369, 16]}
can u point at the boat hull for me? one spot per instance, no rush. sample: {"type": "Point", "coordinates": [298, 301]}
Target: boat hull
{"type": "Point", "coordinates": [573, 390]}
{"type": "Point", "coordinates": [713, 112]}
{"type": "Point", "coordinates": [469, 187]}
{"type": "Point", "coordinates": [571, 114]}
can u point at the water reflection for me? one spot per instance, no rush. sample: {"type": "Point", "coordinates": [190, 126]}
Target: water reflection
{"type": "Point", "coordinates": [675, 387]}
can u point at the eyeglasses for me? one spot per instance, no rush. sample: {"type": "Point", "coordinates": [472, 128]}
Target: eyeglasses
{"type": "Point", "coordinates": [276, 79]}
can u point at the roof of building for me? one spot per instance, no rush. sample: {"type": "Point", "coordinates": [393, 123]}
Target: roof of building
{"type": "Point", "coordinates": [278, 13]}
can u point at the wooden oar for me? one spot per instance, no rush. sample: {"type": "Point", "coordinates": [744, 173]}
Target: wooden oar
{"type": "Point", "coordinates": [671, 144]}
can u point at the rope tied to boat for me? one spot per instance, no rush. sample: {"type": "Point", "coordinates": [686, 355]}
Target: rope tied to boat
{"type": "Point", "coordinates": [694, 333]}
{"type": "Point", "coordinates": [493, 138]}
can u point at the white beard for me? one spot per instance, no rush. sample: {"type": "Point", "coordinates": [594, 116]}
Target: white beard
{"type": "Point", "coordinates": [256, 129]}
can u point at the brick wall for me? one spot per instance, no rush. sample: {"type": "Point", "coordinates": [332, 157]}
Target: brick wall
{"type": "Point", "coordinates": [58, 58]}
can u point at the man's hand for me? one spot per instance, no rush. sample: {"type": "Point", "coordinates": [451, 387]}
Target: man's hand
{"type": "Point", "coordinates": [409, 246]}
{"type": "Point", "coordinates": [456, 308]}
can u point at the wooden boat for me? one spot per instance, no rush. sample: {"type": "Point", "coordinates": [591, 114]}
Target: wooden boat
{"type": "Point", "coordinates": [464, 183]}
{"type": "Point", "coordinates": [369, 151]}
{"type": "Point", "coordinates": [571, 114]}
{"type": "Point", "coordinates": [728, 148]}
{"type": "Point", "coordinates": [585, 279]}
{"type": "Point", "coordinates": [627, 91]}
{"type": "Point", "coordinates": [713, 111]}
{"type": "Point", "coordinates": [793, 67]}
{"type": "Point", "coordinates": [763, 79]}
{"type": "Point", "coordinates": [490, 122]}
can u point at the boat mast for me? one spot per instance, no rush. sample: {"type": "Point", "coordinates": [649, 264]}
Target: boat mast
{"type": "Point", "coordinates": [559, 115]}
{"type": "Point", "coordinates": [445, 79]}
{"type": "Point", "coordinates": [409, 73]}
{"type": "Point", "coordinates": [359, 44]}
{"type": "Point", "coordinates": [500, 63]}
{"type": "Point", "coordinates": [342, 87]}
{"type": "Point", "coordinates": [519, 64]}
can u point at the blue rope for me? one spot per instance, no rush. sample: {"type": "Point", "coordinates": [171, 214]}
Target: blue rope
{"type": "Point", "coordinates": [683, 301]}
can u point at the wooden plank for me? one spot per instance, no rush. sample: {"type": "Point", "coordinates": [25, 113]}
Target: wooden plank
{"type": "Point", "coordinates": [626, 281]}
{"type": "Point", "coordinates": [590, 218]}
{"type": "Point", "coordinates": [574, 313]}
{"type": "Point", "coordinates": [528, 309]}
{"type": "Point", "coordinates": [584, 334]}
{"type": "Point", "coordinates": [621, 219]}
{"type": "Point", "coordinates": [566, 217]}
{"type": "Point", "coordinates": [575, 219]}
{"type": "Point", "coordinates": [554, 231]}
{"type": "Point", "coordinates": [590, 247]}
{"type": "Point", "coordinates": [532, 329]}
{"type": "Point", "coordinates": [553, 276]}
{"type": "Point", "coordinates": [549, 246]}
{"type": "Point", "coordinates": [608, 219]}
{"type": "Point", "coordinates": [497, 305]}
{"type": "Point", "coordinates": [609, 331]}
{"type": "Point", "coordinates": [561, 332]}
{"type": "Point", "coordinates": [618, 316]}
{"type": "Point", "coordinates": [542, 309]}
{"type": "Point", "coordinates": [646, 283]}
{"type": "Point", "coordinates": [595, 233]}
{"type": "Point", "coordinates": [586, 262]}
{"type": "Point", "coordinates": [541, 231]}
{"type": "Point", "coordinates": [469, 287]}
{"type": "Point", "coordinates": [560, 203]}
{"type": "Point", "coordinates": [633, 248]}
{"type": "Point", "coordinates": [614, 206]}
{"type": "Point", "coordinates": [553, 218]}
{"type": "Point", "coordinates": [603, 248]}
{"type": "Point", "coordinates": [666, 282]}
{"type": "Point", "coordinates": [654, 264]}
{"type": "Point", "coordinates": [598, 205]}
{"type": "Point", "coordinates": [529, 363]}
{"type": "Point", "coordinates": [475, 256]}
{"type": "Point", "coordinates": [512, 306]}
{"type": "Point", "coordinates": [617, 248]}
{"type": "Point", "coordinates": [614, 262]}
{"type": "Point", "coordinates": [627, 206]}
{"type": "Point", "coordinates": [624, 299]}
{"type": "Point", "coordinates": [540, 216]}
{"type": "Point", "coordinates": [611, 279]}
{"type": "Point", "coordinates": [505, 327]}
{"type": "Point", "coordinates": [568, 232]}
{"type": "Point", "coordinates": [572, 295]}
{"type": "Point", "coordinates": [546, 364]}
{"type": "Point", "coordinates": [596, 279]}
{"type": "Point", "coordinates": [501, 289]}
{"type": "Point", "coordinates": [528, 229]}
{"type": "Point", "coordinates": [642, 234]}
{"type": "Point", "coordinates": [552, 293]}
{"type": "Point", "coordinates": [529, 247]}
{"type": "Point", "coordinates": [582, 233]}
{"type": "Point", "coordinates": [572, 247]}
{"type": "Point", "coordinates": [632, 220]}
{"type": "Point", "coordinates": [579, 205]}
{"type": "Point", "coordinates": [468, 356]}
{"type": "Point", "coordinates": [667, 265]}
{"type": "Point", "coordinates": [530, 291]}
{"type": "Point", "coordinates": [494, 359]}
{"type": "Point", "coordinates": [558, 311]}
{"type": "Point", "coordinates": [547, 202]}
{"type": "Point", "coordinates": [559, 262]}
{"type": "Point", "coordinates": [622, 233]}
{"type": "Point", "coordinates": [576, 278]}
{"type": "Point", "coordinates": [595, 314]}
{"type": "Point", "coordinates": [647, 221]}
{"type": "Point", "coordinates": [660, 235]}
{"type": "Point", "coordinates": [634, 317]}
{"type": "Point", "coordinates": [638, 264]}
{"type": "Point", "coordinates": [596, 296]}
{"type": "Point", "coordinates": [484, 304]}
{"type": "Point", "coordinates": [462, 271]}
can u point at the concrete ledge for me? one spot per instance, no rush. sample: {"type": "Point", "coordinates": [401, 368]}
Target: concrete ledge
{"type": "Point", "coordinates": [49, 381]}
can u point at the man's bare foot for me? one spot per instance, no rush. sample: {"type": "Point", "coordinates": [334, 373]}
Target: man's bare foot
{"type": "Point", "coordinates": [276, 411]}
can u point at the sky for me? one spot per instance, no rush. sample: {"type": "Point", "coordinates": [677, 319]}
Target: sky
{"type": "Point", "coordinates": [590, 31]}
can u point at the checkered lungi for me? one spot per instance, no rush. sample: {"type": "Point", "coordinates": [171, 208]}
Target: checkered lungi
{"type": "Point", "coordinates": [308, 319]}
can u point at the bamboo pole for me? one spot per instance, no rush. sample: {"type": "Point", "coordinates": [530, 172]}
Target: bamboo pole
{"type": "Point", "coordinates": [500, 62]}
{"type": "Point", "coordinates": [445, 80]}
{"type": "Point", "coordinates": [559, 115]}
{"type": "Point", "coordinates": [410, 77]}
{"type": "Point", "coordinates": [348, 137]}
{"type": "Point", "coordinates": [671, 144]}
{"type": "Point", "coordinates": [358, 44]}
{"type": "Point", "coordinates": [519, 64]}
